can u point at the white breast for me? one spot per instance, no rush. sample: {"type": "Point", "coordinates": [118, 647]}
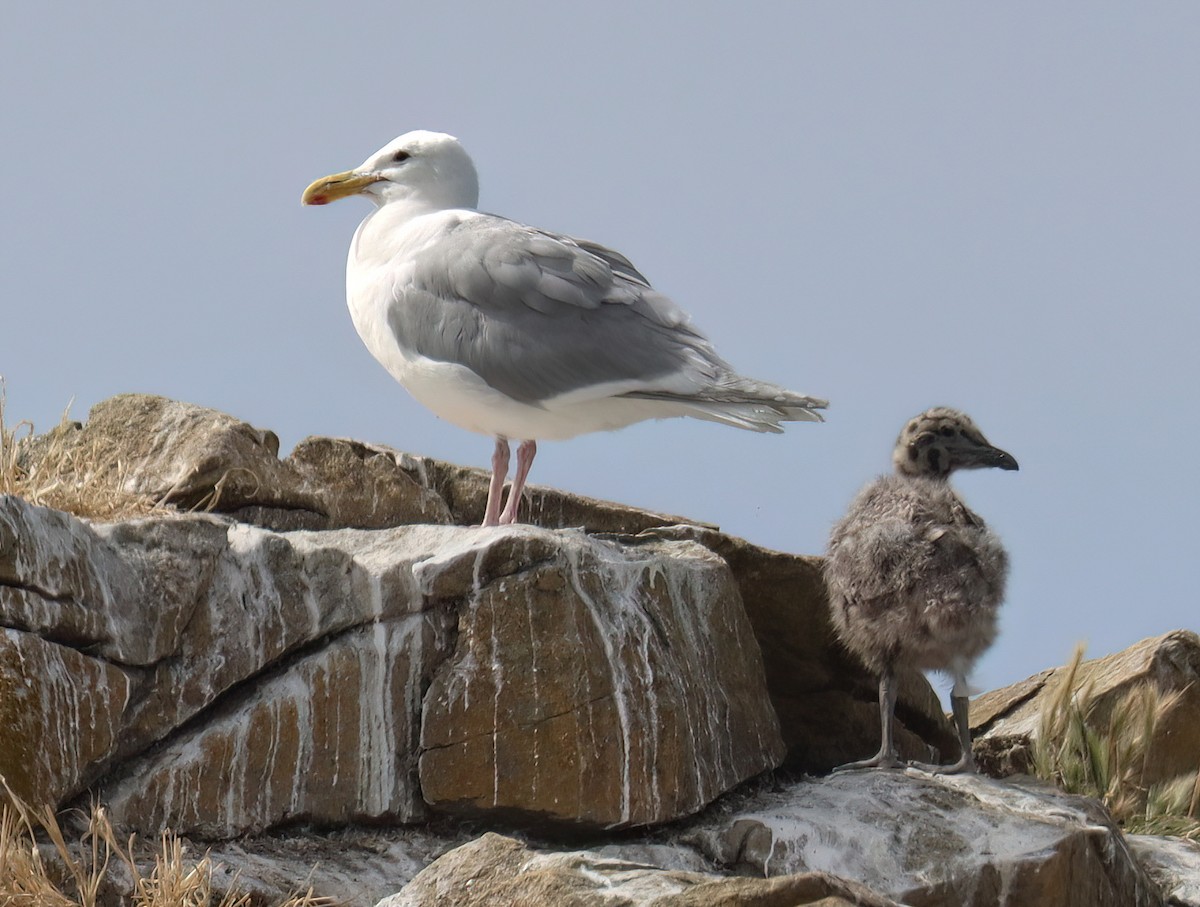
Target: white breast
{"type": "Point", "coordinates": [377, 270]}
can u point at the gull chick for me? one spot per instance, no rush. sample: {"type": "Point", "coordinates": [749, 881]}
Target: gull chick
{"type": "Point", "coordinates": [517, 332]}
{"type": "Point", "coordinates": [915, 577]}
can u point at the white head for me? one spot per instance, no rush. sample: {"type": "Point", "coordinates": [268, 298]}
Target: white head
{"type": "Point", "coordinates": [430, 169]}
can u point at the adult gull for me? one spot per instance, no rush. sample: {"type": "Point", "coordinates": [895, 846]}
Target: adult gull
{"type": "Point", "coordinates": [517, 332]}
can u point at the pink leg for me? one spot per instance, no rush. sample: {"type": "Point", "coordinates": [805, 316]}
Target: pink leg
{"type": "Point", "coordinates": [491, 516]}
{"type": "Point", "coordinates": [525, 454]}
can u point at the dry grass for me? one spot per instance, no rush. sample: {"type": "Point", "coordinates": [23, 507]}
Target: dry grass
{"type": "Point", "coordinates": [101, 868]}
{"type": "Point", "coordinates": [56, 470]}
{"type": "Point", "coordinates": [1103, 753]}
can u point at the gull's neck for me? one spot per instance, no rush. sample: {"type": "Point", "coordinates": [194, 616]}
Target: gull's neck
{"type": "Point", "coordinates": [399, 224]}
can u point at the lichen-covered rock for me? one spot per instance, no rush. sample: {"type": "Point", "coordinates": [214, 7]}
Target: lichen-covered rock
{"type": "Point", "coordinates": [933, 841]}
{"type": "Point", "coordinates": [1169, 663]}
{"type": "Point", "coordinates": [498, 870]}
{"type": "Point", "coordinates": [603, 685]}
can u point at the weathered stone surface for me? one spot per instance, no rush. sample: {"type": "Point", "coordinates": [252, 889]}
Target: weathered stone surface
{"type": "Point", "coordinates": [59, 579]}
{"type": "Point", "coordinates": [198, 458]}
{"type": "Point", "coordinates": [827, 703]}
{"type": "Point", "coordinates": [464, 489]}
{"type": "Point", "coordinates": [270, 678]}
{"type": "Point", "coordinates": [365, 487]}
{"type": "Point", "coordinates": [603, 685]}
{"type": "Point", "coordinates": [937, 842]}
{"type": "Point", "coordinates": [498, 870]}
{"type": "Point", "coordinates": [61, 713]}
{"type": "Point", "coordinates": [260, 598]}
{"type": "Point", "coordinates": [354, 867]}
{"type": "Point", "coordinates": [603, 682]}
{"type": "Point", "coordinates": [179, 453]}
{"type": "Point", "coordinates": [1174, 864]}
{"type": "Point", "coordinates": [311, 643]}
{"type": "Point", "coordinates": [1171, 663]}
{"type": "Point", "coordinates": [929, 841]}
{"type": "Point", "coordinates": [825, 700]}
{"type": "Point", "coordinates": [331, 737]}
{"type": "Point", "coordinates": [194, 457]}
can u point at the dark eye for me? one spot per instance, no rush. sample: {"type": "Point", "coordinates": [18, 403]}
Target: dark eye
{"type": "Point", "coordinates": [401, 156]}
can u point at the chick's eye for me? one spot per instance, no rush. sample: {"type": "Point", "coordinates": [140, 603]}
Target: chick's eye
{"type": "Point", "coordinates": [401, 156]}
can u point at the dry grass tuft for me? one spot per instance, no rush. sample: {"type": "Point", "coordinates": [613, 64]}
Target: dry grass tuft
{"type": "Point", "coordinates": [1103, 754]}
{"type": "Point", "coordinates": [56, 470]}
{"type": "Point", "coordinates": [34, 874]}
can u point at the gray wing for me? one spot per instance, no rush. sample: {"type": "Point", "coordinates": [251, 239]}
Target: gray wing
{"type": "Point", "coordinates": [536, 314]}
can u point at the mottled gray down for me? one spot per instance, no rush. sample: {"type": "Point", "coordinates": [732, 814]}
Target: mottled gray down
{"type": "Point", "coordinates": [915, 577]}
{"type": "Point", "coordinates": [537, 314]}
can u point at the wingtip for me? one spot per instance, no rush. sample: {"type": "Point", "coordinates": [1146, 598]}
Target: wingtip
{"type": "Point", "coordinates": [809, 410]}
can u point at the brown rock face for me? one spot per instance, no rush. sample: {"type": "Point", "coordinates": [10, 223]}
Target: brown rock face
{"type": "Point", "coordinates": [332, 737]}
{"type": "Point", "coordinates": [1169, 663]}
{"type": "Point", "coordinates": [237, 679]}
{"type": "Point", "coordinates": [61, 713]}
{"type": "Point", "coordinates": [267, 666]}
{"type": "Point", "coordinates": [826, 701]}
{"type": "Point", "coordinates": [604, 686]}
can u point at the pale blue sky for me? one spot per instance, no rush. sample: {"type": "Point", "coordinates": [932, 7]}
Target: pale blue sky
{"type": "Point", "coordinates": [890, 205]}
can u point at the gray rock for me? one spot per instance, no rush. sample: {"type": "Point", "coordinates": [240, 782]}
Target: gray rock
{"type": "Point", "coordinates": [924, 839]}
{"type": "Point", "coordinates": [1174, 864]}
{"type": "Point", "coordinates": [498, 870]}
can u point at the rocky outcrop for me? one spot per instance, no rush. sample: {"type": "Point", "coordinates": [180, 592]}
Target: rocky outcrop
{"type": "Point", "coordinates": [827, 704]}
{"type": "Point", "coordinates": [241, 679]}
{"type": "Point", "coordinates": [609, 685]}
{"type": "Point", "coordinates": [324, 645]}
{"type": "Point", "coordinates": [197, 458]}
{"type": "Point", "coordinates": [933, 840]}
{"type": "Point", "coordinates": [190, 456]}
{"type": "Point", "coordinates": [61, 714]}
{"type": "Point", "coordinates": [499, 870]}
{"type": "Point", "coordinates": [866, 838]}
{"type": "Point", "coordinates": [1006, 722]}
